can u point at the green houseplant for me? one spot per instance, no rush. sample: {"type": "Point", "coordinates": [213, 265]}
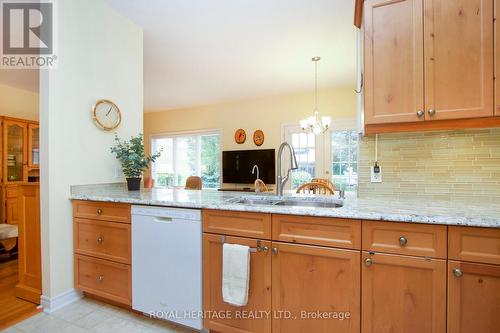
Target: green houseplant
{"type": "Point", "coordinates": [133, 160]}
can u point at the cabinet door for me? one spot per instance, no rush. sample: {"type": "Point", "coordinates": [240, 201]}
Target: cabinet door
{"type": "Point", "coordinates": [33, 146]}
{"type": "Point", "coordinates": [393, 61]}
{"type": "Point", "coordinates": [14, 141]}
{"type": "Point", "coordinates": [403, 294]}
{"type": "Point", "coordinates": [312, 280]}
{"type": "Point", "coordinates": [259, 295]}
{"type": "Point", "coordinates": [12, 204]}
{"type": "Point", "coordinates": [473, 297]}
{"type": "Point", "coordinates": [496, 33]}
{"type": "Point", "coordinates": [458, 58]}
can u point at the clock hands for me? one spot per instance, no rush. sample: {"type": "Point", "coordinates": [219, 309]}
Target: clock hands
{"type": "Point", "coordinates": [110, 107]}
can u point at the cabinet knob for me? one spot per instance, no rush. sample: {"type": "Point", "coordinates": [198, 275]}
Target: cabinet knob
{"type": "Point", "coordinates": [403, 241]}
{"type": "Point", "coordinates": [264, 249]}
{"type": "Point", "coordinates": [457, 272]}
{"type": "Point", "coordinates": [100, 239]}
{"type": "Point", "coordinates": [368, 262]}
{"type": "Point", "coordinates": [101, 278]}
{"type": "Point", "coordinates": [275, 250]}
{"type": "Point", "coordinates": [431, 112]}
{"type": "Point", "coordinates": [420, 113]}
{"type": "Point", "coordinates": [99, 211]}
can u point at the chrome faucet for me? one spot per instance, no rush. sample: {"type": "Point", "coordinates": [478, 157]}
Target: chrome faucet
{"type": "Point", "coordinates": [253, 171]}
{"type": "Point", "coordinates": [281, 181]}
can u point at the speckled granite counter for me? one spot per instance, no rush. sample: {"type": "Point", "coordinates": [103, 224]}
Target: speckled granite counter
{"type": "Point", "coordinates": [417, 211]}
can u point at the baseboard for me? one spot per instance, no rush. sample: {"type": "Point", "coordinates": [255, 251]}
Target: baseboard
{"type": "Point", "coordinates": [51, 304]}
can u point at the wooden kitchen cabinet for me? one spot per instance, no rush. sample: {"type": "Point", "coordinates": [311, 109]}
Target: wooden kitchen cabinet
{"type": "Point", "coordinates": [311, 279]}
{"type": "Point", "coordinates": [458, 57]}
{"type": "Point", "coordinates": [259, 295]}
{"type": "Point", "coordinates": [393, 63]}
{"type": "Point", "coordinates": [427, 61]}
{"type": "Point", "coordinates": [473, 297]}
{"type": "Point", "coordinates": [403, 294]}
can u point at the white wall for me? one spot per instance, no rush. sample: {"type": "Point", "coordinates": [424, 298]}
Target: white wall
{"type": "Point", "coordinates": [100, 56]}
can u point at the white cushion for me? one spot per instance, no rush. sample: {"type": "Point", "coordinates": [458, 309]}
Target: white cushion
{"type": "Point", "coordinates": [8, 231]}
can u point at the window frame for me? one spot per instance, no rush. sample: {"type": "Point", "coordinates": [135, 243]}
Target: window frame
{"type": "Point", "coordinates": [178, 134]}
{"type": "Point", "coordinates": [324, 156]}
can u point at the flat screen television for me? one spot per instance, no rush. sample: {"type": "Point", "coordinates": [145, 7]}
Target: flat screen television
{"type": "Point", "coordinates": [237, 166]}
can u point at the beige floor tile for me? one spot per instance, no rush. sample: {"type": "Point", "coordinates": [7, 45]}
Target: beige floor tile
{"type": "Point", "coordinates": [11, 330]}
{"type": "Point", "coordinates": [73, 312]}
{"type": "Point", "coordinates": [43, 324]}
{"type": "Point", "coordinates": [111, 325]}
{"type": "Point", "coordinates": [92, 319]}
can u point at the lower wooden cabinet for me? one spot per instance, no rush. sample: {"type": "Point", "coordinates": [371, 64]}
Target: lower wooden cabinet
{"type": "Point", "coordinates": [473, 298]}
{"type": "Point", "coordinates": [312, 281]}
{"type": "Point", "coordinates": [259, 297]}
{"type": "Point", "coordinates": [403, 294]}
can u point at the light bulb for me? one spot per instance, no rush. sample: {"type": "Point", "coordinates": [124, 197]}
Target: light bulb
{"type": "Point", "coordinates": [303, 124]}
{"type": "Point", "coordinates": [326, 121]}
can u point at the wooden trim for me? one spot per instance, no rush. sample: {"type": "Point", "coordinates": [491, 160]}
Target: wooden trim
{"type": "Point", "coordinates": [434, 125]}
{"type": "Point", "coordinates": [358, 13]}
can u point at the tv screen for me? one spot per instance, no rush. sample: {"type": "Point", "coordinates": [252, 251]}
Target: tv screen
{"type": "Point", "coordinates": [237, 166]}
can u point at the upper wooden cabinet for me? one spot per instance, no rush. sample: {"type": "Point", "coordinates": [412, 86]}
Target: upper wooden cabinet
{"type": "Point", "coordinates": [394, 90]}
{"type": "Point", "coordinates": [14, 148]}
{"type": "Point", "coordinates": [428, 60]}
{"type": "Point", "coordinates": [458, 46]}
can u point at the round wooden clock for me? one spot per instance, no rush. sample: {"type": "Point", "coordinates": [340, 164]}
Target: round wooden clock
{"type": "Point", "coordinates": [106, 115]}
{"type": "Point", "coordinates": [240, 136]}
{"type": "Point", "coordinates": [258, 137]}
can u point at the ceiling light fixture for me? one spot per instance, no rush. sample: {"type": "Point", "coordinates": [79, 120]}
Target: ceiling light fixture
{"type": "Point", "coordinates": [315, 124]}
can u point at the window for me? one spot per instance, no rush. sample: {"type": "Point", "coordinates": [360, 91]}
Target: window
{"type": "Point", "coordinates": [345, 159]}
{"type": "Point", "coordinates": [333, 155]}
{"type": "Point", "coordinates": [185, 155]}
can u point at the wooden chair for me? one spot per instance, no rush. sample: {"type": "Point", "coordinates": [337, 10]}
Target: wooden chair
{"type": "Point", "coordinates": [259, 184]}
{"type": "Point", "coordinates": [193, 183]}
{"type": "Point", "coordinates": [324, 181]}
{"type": "Point", "coordinates": [315, 188]}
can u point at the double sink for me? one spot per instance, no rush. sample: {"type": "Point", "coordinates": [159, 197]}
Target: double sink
{"type": "Point", "coordinates": [288, 201]}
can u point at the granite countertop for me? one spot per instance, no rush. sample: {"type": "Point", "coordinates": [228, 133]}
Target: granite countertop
{"type": "Point", "coordinates": [400, 210]}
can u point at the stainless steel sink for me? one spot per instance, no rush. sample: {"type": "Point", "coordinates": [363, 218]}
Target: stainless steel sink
{"type": "Point", "coordinates": [305, 203]}
{"type": "Point", "coordinates": [256, 202]}
{"type": "Point", "coordinates": [295, 202]}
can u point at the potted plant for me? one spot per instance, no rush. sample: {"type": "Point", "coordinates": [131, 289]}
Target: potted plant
{"type": "Point", "coordinates": [133, 160]}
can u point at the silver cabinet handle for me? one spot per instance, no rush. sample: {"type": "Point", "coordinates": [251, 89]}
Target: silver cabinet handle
{"type": "Point", "coordinates": [431, 112]}
{"type": "Point", "coordinates": [101, 278]}
{"type": "Point", "coordinates": [368, 262]}
{"type": "Point", "coordinates": [457, 272]}
{"type": "Point", "coordinates": [403, 241]}
{"type": "Point", "coordinates": [275, 250]}
{"type": "Point", "coordinates": [264, 249]}
{"type": "Point", "coordinates": [420, 113]}
{"type": "Point", "coordinates": [100, 239]}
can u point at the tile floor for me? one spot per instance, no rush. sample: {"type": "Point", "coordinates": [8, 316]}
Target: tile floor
{"type": "Point", "coordinates": [87, 315]}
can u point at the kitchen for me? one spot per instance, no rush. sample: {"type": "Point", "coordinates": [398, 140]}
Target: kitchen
{"type": "Point", "coordinates": [406, 237]}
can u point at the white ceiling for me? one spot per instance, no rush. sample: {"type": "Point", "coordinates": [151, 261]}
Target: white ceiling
{"type": "Point", "coordinates": [199, 52]}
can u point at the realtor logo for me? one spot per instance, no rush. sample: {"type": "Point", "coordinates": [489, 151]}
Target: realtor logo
{"type": "Point", "coordinates": [27, 34]}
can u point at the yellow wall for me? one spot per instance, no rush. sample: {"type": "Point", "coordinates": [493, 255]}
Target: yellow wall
{"type": "Point", "coordinates": [18, 103]}
{"type": "Point", "coordinates": [266, 113]}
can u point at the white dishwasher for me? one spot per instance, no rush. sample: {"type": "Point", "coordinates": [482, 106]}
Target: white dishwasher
{"type": "Point", "coordinates": [166, 263]}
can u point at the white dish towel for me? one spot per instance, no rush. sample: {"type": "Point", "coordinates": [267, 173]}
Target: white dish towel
{"type": "Point", "coordinates": [235, 273]}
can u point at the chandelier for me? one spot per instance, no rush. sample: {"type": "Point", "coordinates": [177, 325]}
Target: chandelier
{"type": "Point", "coordinates": [315, 124]}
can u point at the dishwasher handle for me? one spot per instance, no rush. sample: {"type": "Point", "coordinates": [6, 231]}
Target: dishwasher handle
{"type": "Point", "coordinates": [162, 219]}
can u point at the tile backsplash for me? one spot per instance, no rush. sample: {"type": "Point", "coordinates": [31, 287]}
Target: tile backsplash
{"type": "Point", "coordinates": [435, 165]}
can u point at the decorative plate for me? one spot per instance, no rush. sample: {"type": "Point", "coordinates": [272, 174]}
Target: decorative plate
{"type": "Point", "coordinates": [240, 136]}
{"type": "Point", "coordinates": [258, 137]}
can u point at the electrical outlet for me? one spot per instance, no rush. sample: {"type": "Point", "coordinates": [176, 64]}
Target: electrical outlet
{"type": "Point", "coordinates": [118, 172]}
{"type": "Point", "coordinates": [376, 174]}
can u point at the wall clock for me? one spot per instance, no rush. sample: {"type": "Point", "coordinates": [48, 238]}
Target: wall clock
{"type": "Point", "coordinates": [258, 137]}
{"type": "Point", "coordinates": [106, 115]}
{"type": "Point", "coordinates": [240, 136]}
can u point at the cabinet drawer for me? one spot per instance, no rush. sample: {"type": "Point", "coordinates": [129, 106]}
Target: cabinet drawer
{"type": "Point", "coordinates": [254, 225]}
{"type": "Point", "coordinates": [404, 238]}
{"type": "Point", "coordinates": [474, 244]}
{"type": "Point", "coordinates": [103, 278]}
{"type": "Point", "coordinates": [106, 240]}
{"type": "Point", "coordinates": [11, 192]}
{"type": "Point", "coordinates": [323, 231]}
{"type": "Point", "coordinates": [107, 211]}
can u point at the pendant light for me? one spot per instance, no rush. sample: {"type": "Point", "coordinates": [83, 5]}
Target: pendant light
{"type": "Point", "coordinates": [315, 124]}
